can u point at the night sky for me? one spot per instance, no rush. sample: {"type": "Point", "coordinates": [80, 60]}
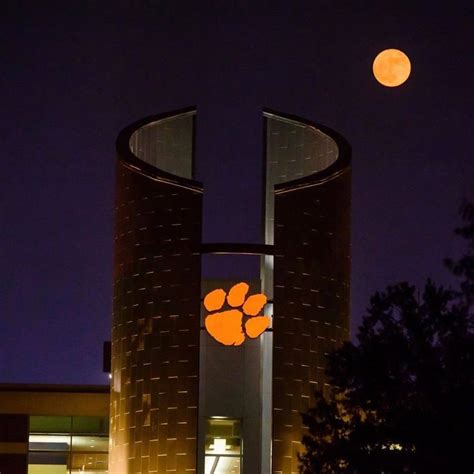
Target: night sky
{"type": "Point", "coordinates": [74, 73]}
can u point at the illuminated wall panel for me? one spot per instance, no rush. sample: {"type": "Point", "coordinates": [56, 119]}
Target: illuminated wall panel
{"type": "Point", "coordinates": [167, 144]}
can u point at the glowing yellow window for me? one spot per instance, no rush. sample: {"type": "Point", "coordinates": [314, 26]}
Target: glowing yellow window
{"type": "Point", "coordinates": [223, 446]}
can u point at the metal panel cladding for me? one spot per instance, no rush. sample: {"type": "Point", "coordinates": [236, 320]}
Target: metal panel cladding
{"type": "Point", "coordinates": [308, 176]}
{"type": "Point", "coordinates": [156, 307]}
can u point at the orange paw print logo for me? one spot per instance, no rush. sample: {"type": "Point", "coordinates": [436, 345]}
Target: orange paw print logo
{"type": "Point", "coordinates": [230, 327]}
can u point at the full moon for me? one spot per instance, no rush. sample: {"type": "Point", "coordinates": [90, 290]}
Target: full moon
{"type": "Point", "coordinates": [391, 67]}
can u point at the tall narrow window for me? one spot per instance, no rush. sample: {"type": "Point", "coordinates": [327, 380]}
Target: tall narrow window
{"type": "Point", "coordinates": [223, 446]}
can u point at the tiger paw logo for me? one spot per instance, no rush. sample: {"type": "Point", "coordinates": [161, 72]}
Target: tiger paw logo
{"type": "Point", "coordinates": [231, 327]}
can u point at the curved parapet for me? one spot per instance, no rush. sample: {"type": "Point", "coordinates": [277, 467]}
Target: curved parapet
{"type": "Point", "coordinates": [298, 153]}
{"type": "Point", "coordinates": [161, 147]}
{"type": "Point", "coordinates": [156, 306]}
{"type": "Point", "coordinates": [307, 218]}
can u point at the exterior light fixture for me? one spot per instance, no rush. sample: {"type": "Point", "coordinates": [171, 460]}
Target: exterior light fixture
{"type": "Point", "coordinates": [219, 446]}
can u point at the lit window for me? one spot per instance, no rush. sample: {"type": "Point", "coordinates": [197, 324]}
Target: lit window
{"type": "Point", "coordinates": [67, 445]}
{"type": "Point", "coordinates": [223, 446]}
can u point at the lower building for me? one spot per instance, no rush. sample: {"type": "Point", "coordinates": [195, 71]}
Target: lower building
{"type": "Point", "coordinates": [54, 429]}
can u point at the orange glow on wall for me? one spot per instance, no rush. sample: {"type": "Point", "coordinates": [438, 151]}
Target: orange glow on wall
{"type": "Point", "coordinates": [232, 326]}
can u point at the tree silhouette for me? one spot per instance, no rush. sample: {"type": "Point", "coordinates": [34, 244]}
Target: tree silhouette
{"type": "Point", "coordinates": [402, 399]}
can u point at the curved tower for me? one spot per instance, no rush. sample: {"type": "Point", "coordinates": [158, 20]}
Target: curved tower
{"type": "Point", "coordinates": [307, 219]}
{"type": "Point", "coordinates": [182, 401]}
{"type": "Point", "coordinates": [155, 329]}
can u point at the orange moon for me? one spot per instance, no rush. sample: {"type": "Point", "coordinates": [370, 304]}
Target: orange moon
{"type": "Point", "coordinates": [391, 67]}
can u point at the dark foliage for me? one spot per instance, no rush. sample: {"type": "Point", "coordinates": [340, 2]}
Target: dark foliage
{"type": "Point", "coordinates": [402, 399]}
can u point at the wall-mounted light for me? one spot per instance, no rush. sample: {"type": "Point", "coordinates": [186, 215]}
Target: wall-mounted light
{"type": "Point", "coordinates": [219, 446]}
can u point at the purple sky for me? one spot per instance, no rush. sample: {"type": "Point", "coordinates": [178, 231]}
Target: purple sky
{"type": "Point", "coordinates": [74, 73]}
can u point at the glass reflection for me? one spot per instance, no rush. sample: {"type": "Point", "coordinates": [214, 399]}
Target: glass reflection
{"type": "Point", "coordinates": [90, 443]}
